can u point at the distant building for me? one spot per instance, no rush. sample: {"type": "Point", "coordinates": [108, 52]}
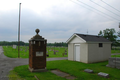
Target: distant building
{"type": "Point", "coordinates": [88, 48]}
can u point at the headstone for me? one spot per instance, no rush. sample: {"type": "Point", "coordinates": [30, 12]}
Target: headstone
{"type": "Point", "coordinates": [54, 53]}
{"type": "Point", "coordinates": [65, 53]}
{"type": "Point", "coordinates": [105, 75]}
{"type": "Point", "coordinates": [47, 55]}
{"type": "Point", "coordinates": [88, 70]}
{"type": "Point", "coordinates": [14, 46]}
{"type": "Point", "coordinates": [21, 49]}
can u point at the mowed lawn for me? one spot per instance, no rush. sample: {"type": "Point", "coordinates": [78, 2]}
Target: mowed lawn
{"type": "Point", "coordinates": [71, 67]}
{"type": "Point", "coordinates": [52, 51]}
{"type": "Point", "coordinates": [115, 51]}
{"type": "Point", "coordinates": [24, 52]}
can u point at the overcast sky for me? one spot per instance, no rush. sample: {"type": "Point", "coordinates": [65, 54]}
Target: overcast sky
{"type": "Point", "coordinates": [57, 20]}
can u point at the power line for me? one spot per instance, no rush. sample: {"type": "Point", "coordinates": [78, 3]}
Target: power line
{"type": "Point", "coordinates": [97, 10]}
{"type": "Point", "coordinates": [90, 9]}
{"type": "Point", "coordinates": [104, 8]}
{"type": "Point", "coordinates": [110, 6]}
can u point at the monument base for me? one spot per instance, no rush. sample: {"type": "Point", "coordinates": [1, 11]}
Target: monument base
{"type": "Point", "coordinates": [37, 70]}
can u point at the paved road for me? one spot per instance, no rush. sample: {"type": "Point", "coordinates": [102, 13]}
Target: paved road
{"type": "Point", "coordinates": [115, 54]}
{"type": "Point", "coordinates": [7, 64]}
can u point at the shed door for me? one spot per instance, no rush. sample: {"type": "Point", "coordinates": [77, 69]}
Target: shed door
{"type": "Point", "coordinates": [77, 52]}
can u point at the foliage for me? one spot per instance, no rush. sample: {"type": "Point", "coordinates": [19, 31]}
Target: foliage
{"type": "Point", "coordinates": [100, 33]}
{"type": "Point", "coordinates": [71, 67]}
{"type": "Point", "coordinates": [118, 33]}
{"type": "Point", "coordinates": [6, 43]}
{"type": "Point", "coordinates": [109, 34]}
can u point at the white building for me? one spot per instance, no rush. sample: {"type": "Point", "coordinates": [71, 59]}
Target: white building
{"type": "Point", "coordinates": [88, 48]}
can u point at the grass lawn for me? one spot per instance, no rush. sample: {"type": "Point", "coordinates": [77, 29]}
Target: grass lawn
{"type": "Point", "coordinates": [73, 68]}
{"type": "Point", "coordinates": [24, 52]}
{"type": "Point", "coordinates": [115, 55]}
{"type": "Point", "coordinates": [115, 51]}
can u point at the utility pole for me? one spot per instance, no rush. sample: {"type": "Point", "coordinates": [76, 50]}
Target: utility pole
{"type": "Point", "coordinates": [19, 31]}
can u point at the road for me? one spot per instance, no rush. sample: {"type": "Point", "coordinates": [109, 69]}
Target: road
{"type": "Point", "coordinates": [7, 64]}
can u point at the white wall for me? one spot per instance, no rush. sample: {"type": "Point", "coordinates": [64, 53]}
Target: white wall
{"type": "Point", "coordinates": [83, 49]}
{"type": "Point", "coordinates": [84, 52]}
{"type": "Point", "coordinates": [70, 51]}
{"type": "Point", "coordinates": [97, 54]}
{"type": "Point", "coordinates": [77, 40]}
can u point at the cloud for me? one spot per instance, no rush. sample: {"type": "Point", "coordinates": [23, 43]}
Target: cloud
{"type": "Point", "coordinates": [56, 20]}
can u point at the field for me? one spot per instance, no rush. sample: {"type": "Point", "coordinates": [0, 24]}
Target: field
{"type": "Point", "coordinates": [9, 51]}
{"type": "Point", "coordinates": [71, 67]}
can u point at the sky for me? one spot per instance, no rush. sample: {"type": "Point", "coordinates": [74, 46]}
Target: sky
{"type": "Point", "coordinates": [57, 20]}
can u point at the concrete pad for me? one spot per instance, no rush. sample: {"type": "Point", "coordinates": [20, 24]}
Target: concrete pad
{"type": "Point", "coordinates": [70, 77]}
{"type": "Point", "coordinates": [63, 74]}
{"type": "Point", "coordinates": [59, 73]}
{"type": "Point", "coordinates": [37, 70]}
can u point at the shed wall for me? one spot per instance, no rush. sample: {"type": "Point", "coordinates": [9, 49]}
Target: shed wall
{"type": "Point", "coordinates": [70, 51]}
{"type": "Point", "coordinates": [84, 52]}
{"type": "Point", "coordinates": [97, 54]}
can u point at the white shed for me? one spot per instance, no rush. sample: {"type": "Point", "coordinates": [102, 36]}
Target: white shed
{"type": "Point", "coordinates": [88, 48]}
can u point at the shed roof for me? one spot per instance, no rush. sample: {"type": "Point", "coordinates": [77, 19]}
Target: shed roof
{"type": "Point", "coordinates": [90, 38]}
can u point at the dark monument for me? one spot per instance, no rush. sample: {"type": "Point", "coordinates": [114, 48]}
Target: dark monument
{"type": "Point", "coordinates": [37, 53]}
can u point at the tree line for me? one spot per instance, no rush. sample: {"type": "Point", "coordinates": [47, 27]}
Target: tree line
{"type": "Point", "coordinates": [6, 43]}
{"type": "Point", "coordinates": [60, 44]}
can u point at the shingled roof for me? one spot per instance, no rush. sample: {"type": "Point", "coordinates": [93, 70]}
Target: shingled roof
{"type": "Point", "coordinates": [90, 38]}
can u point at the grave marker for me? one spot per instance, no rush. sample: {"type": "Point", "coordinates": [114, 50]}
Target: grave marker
{"type": "Point", "coordinates": [105, 75]}
{"type": "Point", "coordinates": [14, 46]}
{"type": "Point", "coordinates": [88, 70]}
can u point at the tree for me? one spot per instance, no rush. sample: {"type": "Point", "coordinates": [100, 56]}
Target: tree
{"type": "Point", "coordinates": [109, 34]}
{"type": "Point", "coordinates": [118, 33]}
{"type": "Point", "coordinates": [100, 33]}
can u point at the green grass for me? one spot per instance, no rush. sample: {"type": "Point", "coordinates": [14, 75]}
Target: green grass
{"type": "Point", "coordinates": [115, 55]}
{"type": "Point", "coordinates": [13, 53]}
{"type": "Point", "coordinates": [73, 68]}
{"type": "Point", "coordinates": [115, 51]}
